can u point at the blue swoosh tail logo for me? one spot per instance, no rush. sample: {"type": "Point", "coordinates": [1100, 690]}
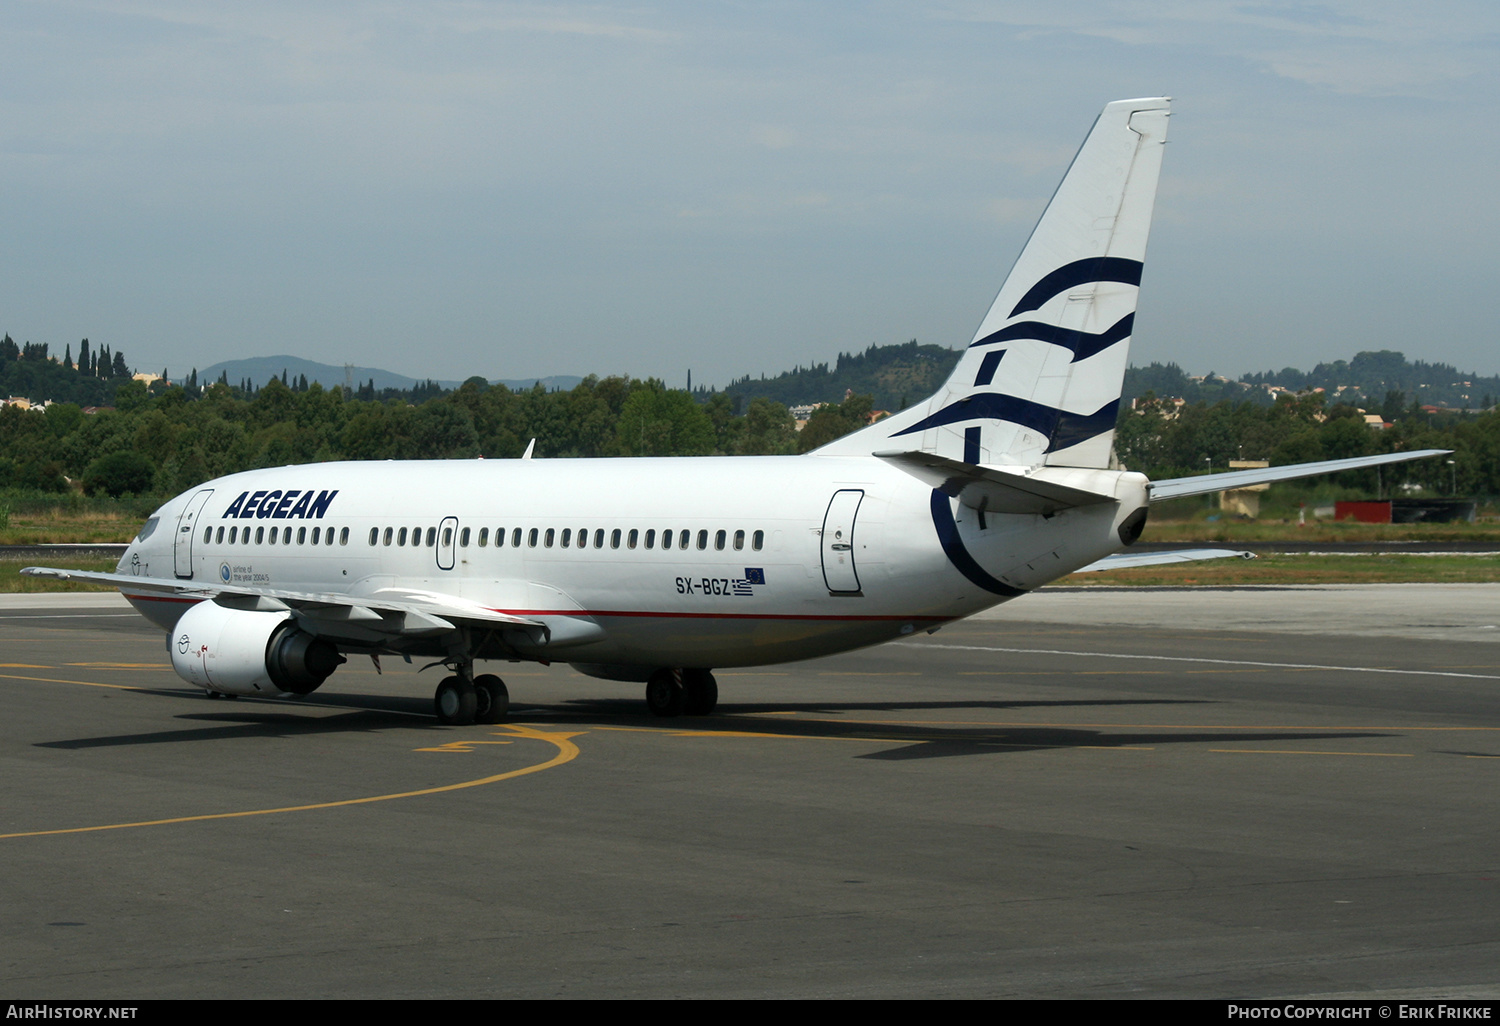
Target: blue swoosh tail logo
{"type": "Point", "coordinates": [1079, 272]}
{"type": "Point", "coordinates": [1081, 344]}
{"type": "Point", "coordinates": [1060, 427]}
{"type": "Point", "coordinates": [958, 555]}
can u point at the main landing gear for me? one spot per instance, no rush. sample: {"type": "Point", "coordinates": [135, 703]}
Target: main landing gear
{"type": "Point", "coordinates": [682, 693]}
{"type": "Point", "coordinates": [463, 699]}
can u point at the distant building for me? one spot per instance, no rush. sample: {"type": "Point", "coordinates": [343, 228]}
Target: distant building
{"type": "Point", "coordinates": [1243, 502]}
{"type": "Point", "coordinates": [801, 413]}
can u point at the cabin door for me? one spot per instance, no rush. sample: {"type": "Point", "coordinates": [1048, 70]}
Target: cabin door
{"type": "Point", "coordinates": [839, 571]}
{"type": "Point", "coordinates": [187, 523]}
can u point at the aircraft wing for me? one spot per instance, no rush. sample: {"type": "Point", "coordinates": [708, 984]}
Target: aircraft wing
{"type": "Point", "coordinates": [995, 491]}
{"type": "Point", "coordinates": [386, 614]}
{"type": "Point", "coordinates": [1121, 560]}
{"type": "Point", "coordinates": [1178, 487]}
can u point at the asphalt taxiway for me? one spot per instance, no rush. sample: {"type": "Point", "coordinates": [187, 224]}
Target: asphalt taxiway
{"type": "Point", "coordinates": [1240, 793]}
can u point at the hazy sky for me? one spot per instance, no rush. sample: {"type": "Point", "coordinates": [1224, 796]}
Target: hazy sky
{"type": "Point", "coordinates": [446, 189]}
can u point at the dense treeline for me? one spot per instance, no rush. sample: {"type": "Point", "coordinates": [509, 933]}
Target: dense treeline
{"type": "Point", "coordinates": [1368, 380]}
{"type": "Point", "coordinates": [162, 439]}
{"type": "Point", "coordinates": [1166, 441]}
{"type": "Point", "coordinates": [167, 443]}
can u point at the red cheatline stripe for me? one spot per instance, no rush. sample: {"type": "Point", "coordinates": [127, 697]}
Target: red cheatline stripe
{"type": "Point", "coordinates": [649, 615]}
{"type": "Point", "coordinates": [714, 616]}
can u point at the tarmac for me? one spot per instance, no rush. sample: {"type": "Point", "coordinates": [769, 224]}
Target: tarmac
{"type": "Point", "coordinates": [1238, 793]}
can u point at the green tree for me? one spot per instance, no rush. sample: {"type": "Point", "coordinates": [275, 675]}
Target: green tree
{"type": "Point", "coordinates": [768, 430]}
{"type": "Point", "coordinates": [656, 421]}
{"type": "Point", "coordinates": [834, 421]}
{"type": "Point", "coordinates": [120, 473]}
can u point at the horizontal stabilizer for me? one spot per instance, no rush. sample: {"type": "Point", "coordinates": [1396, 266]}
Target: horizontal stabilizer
{"type": "Point", "coordinates": [1121, 560]}
{"type": "Point", "coordinates": [994, 491]}
{"type": "Point", "coordinates": [1178, 487]}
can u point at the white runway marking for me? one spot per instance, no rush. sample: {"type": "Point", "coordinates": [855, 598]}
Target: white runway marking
{"type": "Point", "coordinates": [67, 616]}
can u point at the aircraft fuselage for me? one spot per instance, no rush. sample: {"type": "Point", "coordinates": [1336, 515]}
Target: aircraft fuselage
{"type": "Point", "coordinates": [706, 562]}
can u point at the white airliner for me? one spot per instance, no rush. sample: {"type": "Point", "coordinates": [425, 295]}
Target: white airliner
{"type": "Point", "coordinates": [659, 570]}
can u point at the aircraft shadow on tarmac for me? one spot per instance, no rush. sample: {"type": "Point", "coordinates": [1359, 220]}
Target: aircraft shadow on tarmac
{"type": "Point", "coordinates": [371, 714]}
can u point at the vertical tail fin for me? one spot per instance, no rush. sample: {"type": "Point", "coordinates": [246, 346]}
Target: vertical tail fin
{"type": "Point", "coordinates": [1040, 383]}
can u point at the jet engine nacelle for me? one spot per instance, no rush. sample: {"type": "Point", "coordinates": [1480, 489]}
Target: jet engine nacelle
{"type": "Point", "coordinates": [243, 652]}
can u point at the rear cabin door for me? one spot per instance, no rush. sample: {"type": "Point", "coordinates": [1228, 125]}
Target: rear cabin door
{"type": "Point", "coordinates": [839, 571]}
{"type": "Point", "coordinates": [187, 522]}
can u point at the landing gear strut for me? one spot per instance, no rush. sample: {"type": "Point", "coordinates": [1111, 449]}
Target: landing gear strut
{"type": "Point", "coordinates": [682, 692]}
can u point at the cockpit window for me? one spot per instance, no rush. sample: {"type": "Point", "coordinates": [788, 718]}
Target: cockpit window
{"type": "Point", "coordinates": [147, 528]}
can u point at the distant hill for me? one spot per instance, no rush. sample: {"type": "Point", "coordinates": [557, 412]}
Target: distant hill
{"type": "Point", "coordinates": [260, 369]}
{"type": "Point", "coordinates": [896, 376]}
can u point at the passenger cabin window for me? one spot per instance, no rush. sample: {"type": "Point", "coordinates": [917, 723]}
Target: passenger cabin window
{"type": "Point", "coordinates": [757, 540]}
{"type": "Point", "coordinates": [343, 536]}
